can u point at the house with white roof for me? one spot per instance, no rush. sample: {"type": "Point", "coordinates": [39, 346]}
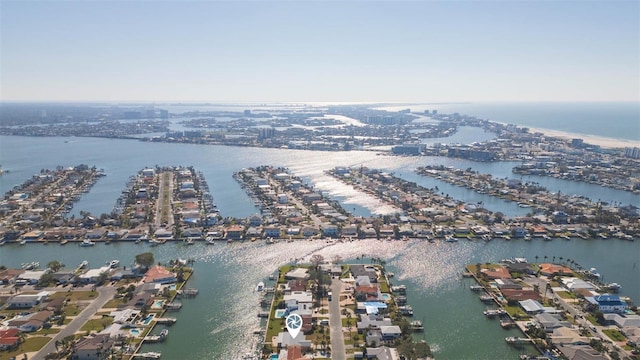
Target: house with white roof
{"type": "Point", "coordinates": [608, 303]}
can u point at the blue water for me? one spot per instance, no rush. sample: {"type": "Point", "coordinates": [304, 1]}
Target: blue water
{"type": "Point", "coordinates": [619, 120]}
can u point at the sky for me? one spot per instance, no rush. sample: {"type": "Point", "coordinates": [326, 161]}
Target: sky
{"type": "Point", "coordinates": [320, 51]}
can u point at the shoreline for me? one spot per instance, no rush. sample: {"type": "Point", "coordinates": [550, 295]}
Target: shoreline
{"type": "Point", "coordinates": [605, 142]}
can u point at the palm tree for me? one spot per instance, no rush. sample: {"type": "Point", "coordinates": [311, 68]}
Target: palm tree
{"type": "Point", "coordinates": [561, 259]}
{"type": "Point", "coordinates": [537, 258]}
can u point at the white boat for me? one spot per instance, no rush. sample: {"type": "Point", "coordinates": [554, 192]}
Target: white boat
{"type": "Point", "coordinates": [83, 264]}
{"type": "Point", "coordinates": [114, 264]}
{"type": "Point", "coordinates": [260, 287]}
{"type": "Point", "coordinates": [87, 242]}
{"type": "Point", "coordinates": [149, 355]}
{"type": "Point", "coordinates": [209, 240]}
{"type": "Point", "coordinates": [494, 312]}
{"type": "Point", "coordinates": [189, 241]}
{"type": "Point", "coordinates": [416, 325]}
{"type": "Point", "coordinates": [23, 241]}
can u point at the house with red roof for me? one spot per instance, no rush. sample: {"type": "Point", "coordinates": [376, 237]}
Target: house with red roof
{"type": "Point", "coordinates": [497, 273]}
{"type": "Point", "coordinates": [9, 339]}
{"type": "Point", "coordinates": [554, 269]}
{"type": "Point", "coordinates": [159, 274]}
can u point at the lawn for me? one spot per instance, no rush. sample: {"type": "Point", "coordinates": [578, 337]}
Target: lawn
{"type": "Point", "coordinates": [76, 295]}
{"type": "Point", "coordinates": [47, 331]}
{"type": "Point", "coordinates": [97, 324]}
{"type": "Point", "coordinates": [113, 303]}
{"type": "Point", "coordinates": [72, 310]}
{"type": "Point", "coordinates": [566, 295]}
{"type": "Point", "coordinates": [614, 335]}
{"type": "Point", "coordinates": [30, 345]}
{"type": "Point", "coordinates": [516, 312]}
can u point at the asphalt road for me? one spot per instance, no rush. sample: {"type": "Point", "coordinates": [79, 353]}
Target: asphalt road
{"type": "Point", "coordinates": [104, 295]}
{"type": "Point", "coordinates": [335, 322]}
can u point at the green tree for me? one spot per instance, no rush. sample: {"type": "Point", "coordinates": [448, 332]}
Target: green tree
{"type": "Point", "coordinates": [55, 265]}
{"type": "Point", "coordinates": [145, 259]}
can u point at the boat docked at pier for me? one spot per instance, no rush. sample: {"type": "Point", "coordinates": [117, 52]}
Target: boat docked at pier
{"type": "Point", "coordinates": [416, 326]}
{"type": "Point", "coordinates": [86, 243]}
{"type": "Point", "coordinates": [173, 306]}
{"type": "Point", "coordinates": [491, 313]}
{"type": "Point", "coordinates": [148, 355]}
{"type": "Point", "coordinates": [406, 310]}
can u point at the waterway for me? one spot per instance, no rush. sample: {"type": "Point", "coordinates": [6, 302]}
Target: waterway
{"type": "Point", "coordinates": [218, 323]}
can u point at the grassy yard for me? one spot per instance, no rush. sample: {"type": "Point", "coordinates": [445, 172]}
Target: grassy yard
{"type": "Point", "coordinates": [76, 295]}
{"type": "Point", "coordinates": [72, 310]}
{"type": "Point", "coordinates": [614, 335]}
{"type": "Point", "coordinates": [97, 324]}
{"type": "Point", "coordinates": [47, 331]}
{"type": "Point", "coordinates": [31, 344]}
{"type": "Point", "coordinates": [113, 303]}
{"type": "Point", "coordinates": [516, 312]}
{"type": "Point", "coordinates": [566, 295]}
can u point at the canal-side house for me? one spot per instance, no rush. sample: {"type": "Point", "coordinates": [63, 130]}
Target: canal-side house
{"type": "Point", "coordinates": [608, 303]}
{"type": "Point", "coordinates": [234, 232]}
{"type": "Point", "coordinates": [547, 269]}
{"type": "Point", "coordinates": [272, 231]}
{"type": "Point", "coordinates": [330, 231]}
{"type": "Point", "coordinates": [159, 274]}
{"type": "Point", "coordinates": [97, 347]}
{"type": "Point", "coordinates": [9, 276]}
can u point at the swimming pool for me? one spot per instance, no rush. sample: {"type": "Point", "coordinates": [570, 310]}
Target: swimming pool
{"type": "Point", "coordinates": [280, 313]}
{"type": "Point", "coordinates": [386, 297]}
{"type": "Point", "coordinates": [273, 357]}
{"type": "Point", "coordinates": [157, 304]}
{"type": "Point", "coordinates": [135, 332]}
{"type": "Point", "coordinates": [148, 319]}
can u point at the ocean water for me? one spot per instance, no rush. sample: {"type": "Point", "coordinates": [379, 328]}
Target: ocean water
{"type": "Point", "coordinates": [618, 120]}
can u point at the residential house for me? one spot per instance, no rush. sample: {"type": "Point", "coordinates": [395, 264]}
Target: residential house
{"type": "Point", "coordinates": [330, 231]}
{"type": "Point", "coordinates": [378, 353]}
{"type": "Point", "coordinates": [9, 339]}
{"type": "Point", "coordinates": [390, 332]}
{"type": "Point", "coordinates": [547, 269]}
{"type": "Point", "coordinates": [24, 301]}
{"type": "Point", "coordinates": [608, 303]}
{"type": "Point", "coordinates": [234, 232]}
{"type": "Point", "coordinates": [272, 231]}
{"type": "Point", "coordinates": [159, 274]}
{"type": "Point", "coordinates": [531, 306]}
{"type": "Point", "coordinates": [96, 347]}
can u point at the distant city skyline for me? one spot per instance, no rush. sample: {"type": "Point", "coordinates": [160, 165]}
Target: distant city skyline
{"type": "Point", "coordinates": [268, 51]}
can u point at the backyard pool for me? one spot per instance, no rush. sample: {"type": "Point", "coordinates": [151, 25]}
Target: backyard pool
{"type": "Point", "coordinates": [135, 332]}
{"type": "Point", "coordinates": [386, 297]}
{"type": "Point", "coordinates": [280, 313]}
{"type": "Point", "coordinates": [148, 319]}
{"type": "Point", "coordinates": [273, 357]}
{"type": "Point", "coordinates": [157, 304]}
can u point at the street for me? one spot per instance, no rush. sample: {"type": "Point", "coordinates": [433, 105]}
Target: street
{"type": "Point", "coordinates": [335, 322]}
{"type": "Point", "coordinates": [105, 294]}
